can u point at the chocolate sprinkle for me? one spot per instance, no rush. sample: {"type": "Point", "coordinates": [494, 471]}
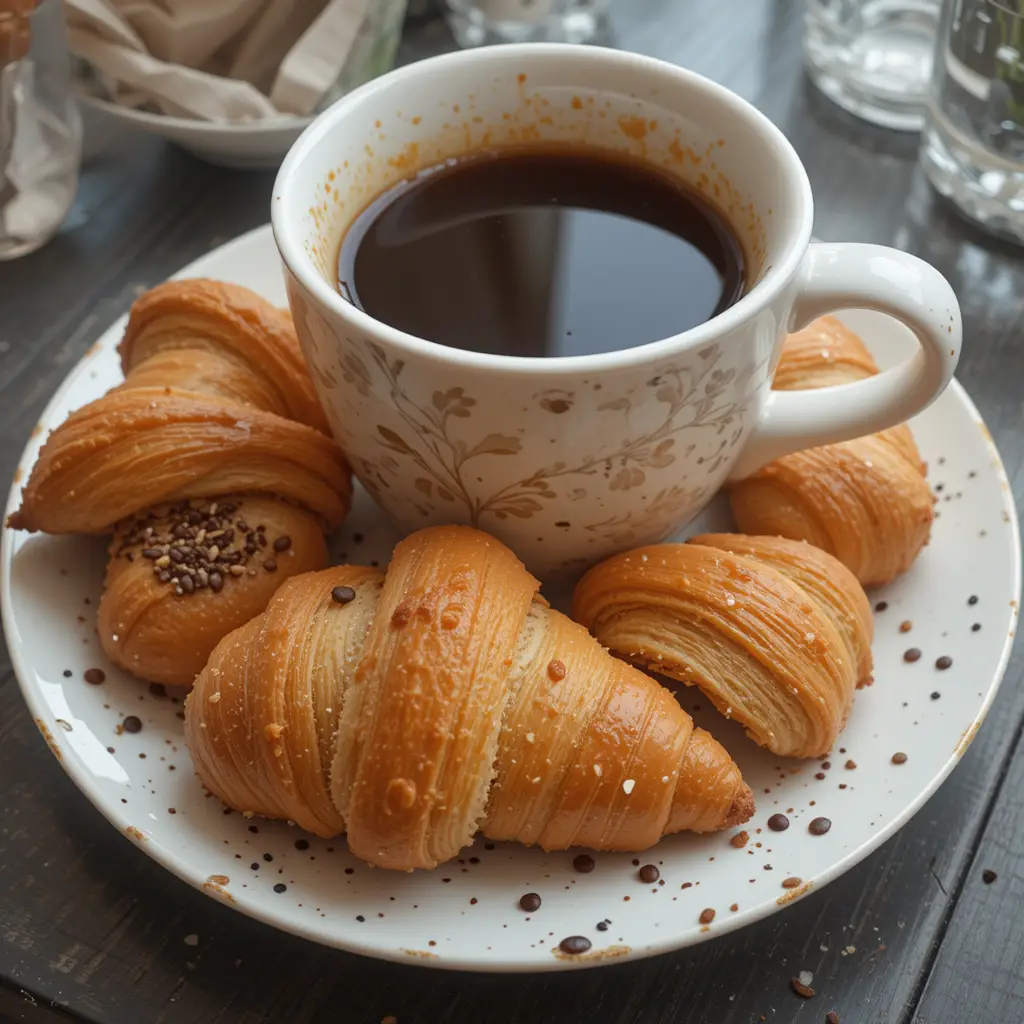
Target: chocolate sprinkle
{"type": "Point", "coordinates": [912, 654]}
{"type": "Point", "coordinates": [943, 663]}
{"type": "Point", "coordinates": [280, 887]}
{"type": "Point", "coordinates": [898, 758]}
{"type": "Point", "coordinates": [95, 676]}
{"type": "Point", "coordinates": [976, 627]}
{"type": "Point", "coordinates": [973, 599]}
{"type": "Point", "coordinates": [988, 876]}
{"type": "Point", "coordinates": [584, 863]}
{"type": "Point", "coordinates": [706, 916]}
{"type": "Point", "coordinates": [936, 695]}
{"type": "Point", "coordinates": [530, 902]}
{"type": "Point", "coordinates": [132, 724]}
{"type": "Point", "coordinates": [574, 945]}
{"type": "Point", "coordinates": [68, 673]}
{"type": "Point", "coordinates": [819, 826]}
{"type": "Point", "coordinates": [649, 874]}
{"type": "Point", "coordinates": [602, 926]}
{"type": "Point", "coordinates": [881, 606]}
{"type": "Point", "coordinates": [342, 595]}
{"type": "Point", "coordinates": [778, 823]}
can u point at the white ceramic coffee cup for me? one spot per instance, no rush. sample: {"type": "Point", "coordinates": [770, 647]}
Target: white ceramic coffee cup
{"type": "Point", "coordinates": [570, 459]}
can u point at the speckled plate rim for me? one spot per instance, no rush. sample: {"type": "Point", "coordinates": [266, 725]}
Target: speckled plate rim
{"type": "Point", "coordinates": [75, 768]}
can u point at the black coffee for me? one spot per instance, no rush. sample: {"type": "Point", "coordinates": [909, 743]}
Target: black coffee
{"type": "Point", "coordinates": [541, 252]}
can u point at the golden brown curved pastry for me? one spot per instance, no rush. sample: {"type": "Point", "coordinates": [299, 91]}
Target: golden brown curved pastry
{"type": "Point", "coordinates": [776, 632]}
{"type": "Point", "coordinates": [413, 709]}
{"type": "Point", "coordinates": [209, 464]}
{"type": "Point", "coordinates": [865, 501]}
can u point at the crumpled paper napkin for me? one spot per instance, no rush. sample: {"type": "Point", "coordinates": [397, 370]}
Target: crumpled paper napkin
{"type": "Point", "coordinates": [216, 60]}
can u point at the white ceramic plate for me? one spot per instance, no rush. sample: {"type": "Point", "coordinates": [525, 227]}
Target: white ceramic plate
{"type": "Point", "coordinates": [256, 146]}
{"type": "Point", "coordinates": [466, 914]}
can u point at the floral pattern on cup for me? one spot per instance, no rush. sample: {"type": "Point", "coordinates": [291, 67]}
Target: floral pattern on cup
{"type": "Point", "coordinates": [422, 455]}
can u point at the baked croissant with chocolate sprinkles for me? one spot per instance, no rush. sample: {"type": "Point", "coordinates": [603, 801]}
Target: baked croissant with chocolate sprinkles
{"type": "Point", "coordinates": [212, 467]}
{"type": "Point", "coordinates": [865, 501]}
{"type": "Point", "coordinates": [775, 632]}
{"type": "Point", "coordinates": [415, 708]}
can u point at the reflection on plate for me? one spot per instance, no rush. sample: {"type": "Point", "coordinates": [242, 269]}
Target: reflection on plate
{"type": "Point", "coordinates": [959, 601]}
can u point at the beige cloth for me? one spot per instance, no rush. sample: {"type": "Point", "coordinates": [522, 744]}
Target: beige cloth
{"type": "Point", "coordinates": [216, 60]}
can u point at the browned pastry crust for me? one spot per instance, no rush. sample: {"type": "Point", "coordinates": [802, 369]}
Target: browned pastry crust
{"type": "Point", "coordinates": [155, 630]}
{"type": "Point", "coordinates": [776, 632]}
{"type": "Point", "coordinates": [865, 501]}
{"type": "Point", "coordinates": [443, 698]}
{"type": "Point", "coordinates": [216, 409]}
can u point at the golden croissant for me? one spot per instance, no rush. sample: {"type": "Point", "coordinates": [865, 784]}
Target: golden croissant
{"type": "Point", "coordinates": [415, 708]}
{"type": "Point", "coordinates": [211, 466]}
{"type": "Point", "coordinates": [775, 632]}
{"type": "Point", "coordinates": [865, 501]}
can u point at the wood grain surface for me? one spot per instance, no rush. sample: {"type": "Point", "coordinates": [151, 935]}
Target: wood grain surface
{"type": "Point", "coordinates": [90, 930]}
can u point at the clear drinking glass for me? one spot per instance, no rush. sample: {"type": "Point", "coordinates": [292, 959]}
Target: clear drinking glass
{"type": "Point", "coordinates": [476, 22]}
{"type": "Point", "coordinates": [873, 57]}
{"type": "Point", "coordinates": [973, 149]}
{"type": "Point", "coordinates": [40, 128]}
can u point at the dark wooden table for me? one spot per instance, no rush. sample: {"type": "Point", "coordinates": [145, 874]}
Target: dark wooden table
{"type": "Point", "coordinates": [90, 930]}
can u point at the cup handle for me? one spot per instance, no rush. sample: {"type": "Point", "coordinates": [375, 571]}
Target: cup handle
{"type": "Point", "coordinates": [858, 276]}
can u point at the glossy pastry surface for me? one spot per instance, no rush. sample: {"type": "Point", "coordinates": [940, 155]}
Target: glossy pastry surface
{"type": "Point", "coordinates": [865, 501]}
{"type": "Point", "coordinates": [775, 632]}
{"type": "Point", "coordinates": [414, 708]}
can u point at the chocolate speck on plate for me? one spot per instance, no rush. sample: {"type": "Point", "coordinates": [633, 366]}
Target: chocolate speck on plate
{"type": "Point", "coordinates": [301, 844]}
{"type": "Point", "coordinates": [602, 926]}
{"type": "Point", "coordinates": [132, 724]}
{"type": "Point", "coordinates": [791, 883]}
{"type": "Point", "coordinates": [943, 663]}
{"type": "Point", "coordinates": [280, 887]}
{"type": "Point", "coordinates": [912, 654]}
{"type": "Point", "coordinates": [583, 863]}
{"type": "Point", "coordinates": [68, 673]}
{"type": "Point", "coordinates": [95, 676]}
{"type": "Point", "coordinates": [976, 627]}
{"type": "Point", "coordinates": [898, 758]}
{"type": "Point", "coordinates": [988, 876]}
{"type": "Point", "coordinates": [973, 599]}
{"type": "Point", "coordinates": [850, 764]}
{"type": "Point", "coordinates": [935, 695]}
{"type": "Point", "coordinates": [574, 944]}
{"type": "Point", "coordinates": [530, 902]}
{"type": "Point", "coordinates": [819, 826]}
{"type": "Point", "coordinates": [906, 626]}
{"type": "Point", "coordinates": [706, 916]}
{"type": "Point", "coordinates": [881, 606]}
{"type": "Point", "coordinates": [831, 1017]}
{"type": "Point", "coordinates": [779, 822]}
{"type": "Point", "coordinates": [649, 874]}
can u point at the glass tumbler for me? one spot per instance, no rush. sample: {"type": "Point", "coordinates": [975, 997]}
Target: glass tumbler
{"type": "Point", "coordinates": [40, 128]}
{"type": "Point", "coordinates": [873, 57]}
{"type": "Point", "coordinates": [973, 147]}
{"type": "Point", "coordinates": [477, 22]}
